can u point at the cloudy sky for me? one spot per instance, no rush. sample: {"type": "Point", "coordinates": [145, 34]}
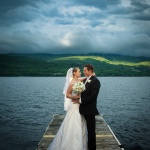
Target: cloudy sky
{"type": "Point", "coordinates": [75, 26]}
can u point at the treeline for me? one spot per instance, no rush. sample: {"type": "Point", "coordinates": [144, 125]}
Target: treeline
{"type": "Point", "coordinates": [52, 65]}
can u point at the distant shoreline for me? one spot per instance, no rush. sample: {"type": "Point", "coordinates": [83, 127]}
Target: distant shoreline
{"type": "Point", "coordinates": [65, 76]}
{"type": "Point", "coordinates": [57, 65]}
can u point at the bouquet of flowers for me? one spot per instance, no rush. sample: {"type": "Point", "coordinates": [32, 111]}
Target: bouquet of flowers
{"type": "Point", "coordinates": [78, 87]}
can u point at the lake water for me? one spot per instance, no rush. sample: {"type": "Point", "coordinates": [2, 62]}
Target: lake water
{"type": "Point", "coordinates": [28, 103]}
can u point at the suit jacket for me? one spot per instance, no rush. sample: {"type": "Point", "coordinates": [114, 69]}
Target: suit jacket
{"type": "Point", "coordinates": [89, 97]}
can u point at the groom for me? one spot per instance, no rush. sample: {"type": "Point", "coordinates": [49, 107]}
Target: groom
{"type": "Point", "coordinates": [88, 103]}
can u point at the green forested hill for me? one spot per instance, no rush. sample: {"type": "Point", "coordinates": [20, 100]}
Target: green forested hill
{"type": "Point", "coordinates": [57, 65]}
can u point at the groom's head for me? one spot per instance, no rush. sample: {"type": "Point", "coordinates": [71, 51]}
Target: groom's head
{"type": "Point", "coordinates": [88, 70]}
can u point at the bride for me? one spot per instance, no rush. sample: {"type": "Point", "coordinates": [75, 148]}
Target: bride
{"type": "Point", "coordinates": [72, 134]}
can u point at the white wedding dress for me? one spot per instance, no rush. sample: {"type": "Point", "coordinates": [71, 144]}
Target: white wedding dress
{"type": "Point", "coordinates": [72, 134]}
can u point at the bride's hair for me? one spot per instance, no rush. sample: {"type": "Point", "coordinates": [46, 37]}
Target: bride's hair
{"type": "Point", "coordinates": [74, 70]}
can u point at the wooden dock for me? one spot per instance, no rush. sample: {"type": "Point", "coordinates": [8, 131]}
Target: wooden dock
{"type": "Point", "coordinates": [105, 138]}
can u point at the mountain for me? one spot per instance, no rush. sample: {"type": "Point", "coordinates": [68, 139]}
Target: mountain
{"type": "Point", "coordinates": [57, 65]}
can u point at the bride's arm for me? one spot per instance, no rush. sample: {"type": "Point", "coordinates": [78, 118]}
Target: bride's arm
{"type": "Point", "coordinates": [81, 79]}
{"type": "Point", "coordinates": [69, 93]}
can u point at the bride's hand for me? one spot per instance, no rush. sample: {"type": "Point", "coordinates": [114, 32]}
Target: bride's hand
{"type": "Point", "coordinates": [77, 97]}
{"type": "Point", "coordinates": [94, 74]}
{"type": "Point", "coordinates": [75, 101]}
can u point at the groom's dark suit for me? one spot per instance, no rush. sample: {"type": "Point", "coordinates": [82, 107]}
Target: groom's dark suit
{"type": "Point", "coordinates": [89, 110]}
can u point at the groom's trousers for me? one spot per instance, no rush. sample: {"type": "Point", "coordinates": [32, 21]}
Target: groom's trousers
{"type": "Point", "coordinates": [91, 132]}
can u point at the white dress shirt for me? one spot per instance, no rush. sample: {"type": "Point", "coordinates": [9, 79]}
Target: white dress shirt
{"type": "Point", "coordinates": [84, 83]}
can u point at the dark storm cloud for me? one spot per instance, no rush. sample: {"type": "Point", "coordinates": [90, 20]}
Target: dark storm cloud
{"type": "Point", "coordinates": [139, 5]}
{"type": "Point", "coordinates": [7, 5]}
{"type": "Point", "coordinates": [103, 4]}
{"type": "Point", "coordinates": [15, 11]}
{"type": "Point", "coordinates": [49, 26]}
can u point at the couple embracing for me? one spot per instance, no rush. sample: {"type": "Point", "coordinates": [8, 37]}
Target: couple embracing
{"type": "Point", "coordinates": [77, 131]}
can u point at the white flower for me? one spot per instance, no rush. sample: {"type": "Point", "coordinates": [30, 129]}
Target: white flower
{"type": "Point", "coordinates": [89, 81]}
{"type": "Point", "coordinates": [78, 87]}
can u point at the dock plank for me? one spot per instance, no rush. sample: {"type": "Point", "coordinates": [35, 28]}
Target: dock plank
{"type": "Point", "coordinates": [105, 138]}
